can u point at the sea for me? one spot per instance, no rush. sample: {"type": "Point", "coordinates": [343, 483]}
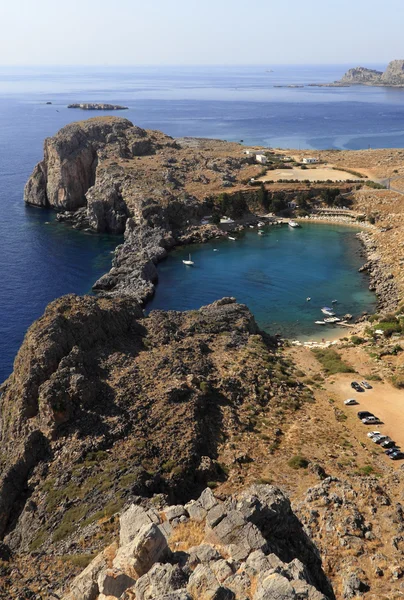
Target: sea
{"type": "Point", "coordinates": [41, 259]}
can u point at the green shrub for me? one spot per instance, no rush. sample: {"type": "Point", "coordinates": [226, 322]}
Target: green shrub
{"type": "Point", "coordinates": [398, 381]}
{"type": "Point", "coordinates": [298, 462]}
{"type": "Point", "coordinates": [357, 341]}
{"type": "Point", "coordinates": [331, 361]}
{"type": "Point", "coordinates": [373, 377]}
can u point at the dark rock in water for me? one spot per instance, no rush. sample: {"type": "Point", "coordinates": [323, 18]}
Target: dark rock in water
{"type": "Point", "coordinates": [97, 106]}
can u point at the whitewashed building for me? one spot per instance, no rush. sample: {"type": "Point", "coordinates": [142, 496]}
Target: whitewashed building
{"type": "Point", "coordinates": [309, 161]}
{"type": "Point", "coordinates": [261, 158]}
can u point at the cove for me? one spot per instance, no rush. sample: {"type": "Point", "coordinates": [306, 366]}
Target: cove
{"type": "Point", "coordinates": [273, 275]}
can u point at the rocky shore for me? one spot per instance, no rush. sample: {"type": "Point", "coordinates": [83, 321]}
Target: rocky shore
{"type": "Point", "coordinates": [381, 279]}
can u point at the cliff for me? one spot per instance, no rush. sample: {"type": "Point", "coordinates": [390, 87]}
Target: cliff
{"type": "Point", "coordinates": [392, 76]}
{"type": "Point", "coordinates": [362, 75]}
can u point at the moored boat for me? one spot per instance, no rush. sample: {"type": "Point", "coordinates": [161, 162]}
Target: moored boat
{"type": "Point", "coordinates": [293, 224]}
{"type": "Point", "coordinates": [326, 310]}
{"type": "Point", "coordinates": [188, 262]}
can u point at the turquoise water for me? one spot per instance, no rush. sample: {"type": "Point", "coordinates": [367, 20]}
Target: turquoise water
{"type": "Point", "coordinates": [273, 275]}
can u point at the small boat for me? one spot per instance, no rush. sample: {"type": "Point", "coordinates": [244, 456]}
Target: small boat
{"type": "Point", "coordinates": [261, 224]}
{"type": "Point", "coordinates": [319, 322]}
{"type": "Point", "coordinates": [308, 299]}
{"type": "Point", "coordinates": [231, 238]}
{"type": "Point", "coordinates": [334, 301]}
{"type": "Point", "coordinates": [293, 224]}
{"type": "Point", "coordinates": [332, 320]}
{"type": "Point", "coordinates": [261, 232]}
{"type": "Point", "coordinates": [251, 226]}
{"type": "Point", "coordinates": [188, 262]}
{"type": "Point", "coordinates": [215, 250]}
{"type": "Point", "coordinates": [327, 311]}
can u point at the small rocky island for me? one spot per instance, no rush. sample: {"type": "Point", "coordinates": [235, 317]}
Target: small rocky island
{"type": "Point", "coordinates": [97, 106]}
{"type": "Point", "coordinates": [393, 76]}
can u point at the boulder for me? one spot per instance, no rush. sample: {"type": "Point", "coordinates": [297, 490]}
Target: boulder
{"type": "Point", "coordinates": [113, 583]}
{"type": "Point", "coordinates": [85, 585]}
{"type": "Point", "coordinates": [137, 557]}
{"type": "Point", "coordinates": [203, 585]}
{"type": "Point", "coordinates": [196, 511]}
{"type": "Point", "coordinates": [161, 579]}
{"type": "Point", "coordinates": [239, 535]}
{"type": "Point", "coordinates": [132, 520]}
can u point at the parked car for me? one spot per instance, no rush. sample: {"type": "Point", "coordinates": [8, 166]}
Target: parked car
{"type": "Point", "coordinates": [382, 438]}
{"type": "Point", "coordinates": [364, 413]}
{"type": "Point", "coordinates": [370, 420]}
{"type": "Point", "coordinates": [350, 402]}
{"type": "Point", "coordinates": [355, 385]}
{"type": "Point", "coordinates": [397, 455]}
{"type": "Point", "coordinates": [366, 385]}
{"type": "Point", "coordinates": [388, 444]}
{"type": "Point", "coordinates": [392, 450]}
{"type": "Point", "coordinates": [373, 433]}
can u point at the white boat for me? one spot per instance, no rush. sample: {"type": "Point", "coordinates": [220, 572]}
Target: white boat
{"type": "Point", "coordinates": [332, 320]}
{"type": "Point", "coordinates": [261, 232]}
{"type": "Point", "coordinates": [232, 238]}
{"type": "Point", "coordinates": [215, 250]}
{"type": "Point", "coordinates": [308, 299]}
{"type": "Point", "coordinates": [319, 322]}
{"type": "Point", "coordinates": [334, 301]}
{"type": "Point", "coordinates": [188, 262]}
{"type": "Point", "coordinates": [261, 224]}
{"type": "Point", "coordinates": [293, 224]}
{"type": "Point", "coordinates": [327, 311]}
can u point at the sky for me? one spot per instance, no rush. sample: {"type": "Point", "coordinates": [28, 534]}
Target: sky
{"type": "Point", "coordinates": [200, 32]}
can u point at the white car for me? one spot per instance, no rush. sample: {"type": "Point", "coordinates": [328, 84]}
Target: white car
{"type": "Point", "coordinates": [370, 420]}
{"type": "Point", "coordinates": [350, 402]}
{"type": "Point", "coordinates": [380, 438]}
{"type": "Point", "coordinates": [373, 433]}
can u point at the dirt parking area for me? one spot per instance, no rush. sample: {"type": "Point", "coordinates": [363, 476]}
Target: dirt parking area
{"type": "Point", "coordinates": [311, 174]}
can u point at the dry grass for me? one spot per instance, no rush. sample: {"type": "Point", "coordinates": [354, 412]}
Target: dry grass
{"type": "Point", "coordinates": [186, 535]}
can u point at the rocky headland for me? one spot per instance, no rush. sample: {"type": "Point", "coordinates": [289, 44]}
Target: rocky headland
{"type": "Point", "coordinates": [393, 76]}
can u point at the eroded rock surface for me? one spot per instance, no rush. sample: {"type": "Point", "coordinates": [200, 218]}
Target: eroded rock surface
{"type": "Point", "coordinates": [258, 550]}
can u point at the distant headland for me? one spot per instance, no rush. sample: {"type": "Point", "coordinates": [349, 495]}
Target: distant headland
{"type": "Point", "coordinates": [393, 76]}
{"type": "Point", "coordinates": [97, 106]}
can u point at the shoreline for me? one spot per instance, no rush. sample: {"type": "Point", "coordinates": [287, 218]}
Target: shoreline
{"type": "Point", "coordinates": [140, 267]}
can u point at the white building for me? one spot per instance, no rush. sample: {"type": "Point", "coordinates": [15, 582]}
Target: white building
{"type": "Point", "coordinates": [261, 158]}
{"type": "Point", "coordinates": [309, 161]}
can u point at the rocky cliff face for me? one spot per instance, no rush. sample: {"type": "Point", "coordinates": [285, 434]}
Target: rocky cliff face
{"type": "Point", "coordinates": [80, 160]}
{"type": "Point", "coordinates": [392, 76]}
{"type": "Point", "coordinates": [362, 75]}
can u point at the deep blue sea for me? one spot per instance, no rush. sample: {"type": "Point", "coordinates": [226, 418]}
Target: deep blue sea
{"type": "Point", "coordinates": [40, 259]}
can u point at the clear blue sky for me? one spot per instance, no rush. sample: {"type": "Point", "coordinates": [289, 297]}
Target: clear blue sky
{"type": "Point", "coordinates": [136, 32]}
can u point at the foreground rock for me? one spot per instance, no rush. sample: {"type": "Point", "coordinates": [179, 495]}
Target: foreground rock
{"type": "Point", "coordinates": [250, 546]}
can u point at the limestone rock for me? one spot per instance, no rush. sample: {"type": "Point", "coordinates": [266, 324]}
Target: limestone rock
{"type": "Point", "coordinates": [160, 580]}
{"type": "Point", "coordinates": [204, 585]}
{"type": "Point", "coordinates": [139, 555]}
{"type": "Point", "coordinates": [113, 583]}
{"type": "Point", "coordinates": [132, 521]}
{"type": "Point", "coordinates": [85, 585]}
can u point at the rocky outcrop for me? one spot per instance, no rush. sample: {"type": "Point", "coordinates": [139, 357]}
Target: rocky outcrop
{"type": "Point", "coordinates": [97, 106]}
{"type": "Point", "coordinates": [361, 75]}
{"type": "Point", "coordinates": [105, 404]}
{"type": "Point", "coordinates": [81, 155]}
{"type": "Point", "coordinates": [251, 546]}
{"type": "Point", "coordinates": [382, 281]}
{"type": "Point", "coordinates": [392, 76]}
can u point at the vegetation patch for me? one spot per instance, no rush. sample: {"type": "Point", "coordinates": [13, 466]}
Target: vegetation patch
{"type": "Point", "coordinates": [332, 361]}
{"type": "Point", "coordinates": [298, 462]}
